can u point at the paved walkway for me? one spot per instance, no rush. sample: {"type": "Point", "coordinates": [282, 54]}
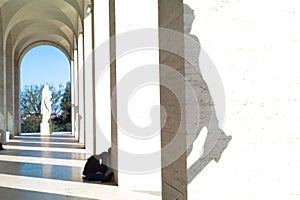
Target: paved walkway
{"type": "Point", "coordinates": [35, 167]}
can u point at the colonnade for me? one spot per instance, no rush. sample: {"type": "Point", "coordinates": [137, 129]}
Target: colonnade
{"type": "Point", "coordinates": [117, 52]}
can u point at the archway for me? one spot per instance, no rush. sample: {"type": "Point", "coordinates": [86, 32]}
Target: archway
{"type": "Point", "coordinates": [40, 64]}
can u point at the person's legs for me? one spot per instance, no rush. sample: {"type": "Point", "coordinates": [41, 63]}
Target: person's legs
{"type": "Point", "coordinates": [108, 177]}
{"type": "Point", "coordinates": [96, 176]}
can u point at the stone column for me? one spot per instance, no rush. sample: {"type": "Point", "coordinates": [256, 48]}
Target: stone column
{"type": "Point", "coordinates": [76, 95]}
{"type": "Point", "coordinates": [105, 79]}
{"type": "Point", "coordinates": [89, 85]}
{"type": "Point", "coordinates": [102, 75]}
{"type": "Point", "coordinates": [72, 95]}
{"type": "Point", "coordinates": [2, 79]}
{"type": "Point", "coordinates": [137, 73]}
{"type": "Point", "coordinates": [9, 88]}
{"type": "Point", "coordinates": [16, 89]}
{"type": "Point", "coordinates": [173, 134]}
{"type": "Point", "coordinates": [81, 94]}
{"type": "Point", "coordinates": [113, 82]}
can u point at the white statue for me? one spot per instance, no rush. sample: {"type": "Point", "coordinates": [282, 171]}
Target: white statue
{"type": "Point", "coordinates": [46, 110]}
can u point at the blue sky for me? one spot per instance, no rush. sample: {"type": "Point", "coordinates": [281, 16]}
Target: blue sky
{"type": "Point", "coordinates": [44, 64]}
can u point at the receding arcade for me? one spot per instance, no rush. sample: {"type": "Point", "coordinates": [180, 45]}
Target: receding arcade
{"type": "Point", "coordinates": [85, 31]}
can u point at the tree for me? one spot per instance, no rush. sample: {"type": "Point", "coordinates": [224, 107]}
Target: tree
{"type": "Point", "coordinates": [56, 98]}
{"type": "Point", "coordinates": [66, 104]}
{"type": "Point", "coordinates": [30, 100]}
{"type": "Point", "coordinates": [64, 121]}
{"type": "Point", "coordinates": [30, 105]}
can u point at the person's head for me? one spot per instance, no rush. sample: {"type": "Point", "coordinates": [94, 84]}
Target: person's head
{"type": "Point", "coordinates": [189, 17]}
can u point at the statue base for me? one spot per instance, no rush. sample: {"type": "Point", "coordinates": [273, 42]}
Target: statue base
{"type": "Point", "coordinates": [45, 128]}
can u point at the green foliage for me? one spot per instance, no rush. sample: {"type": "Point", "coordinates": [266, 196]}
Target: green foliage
{"type": "Point", "coordinates": [66, 104]}
{"type": "Point", "coordinates": [64, 121]}
{"type": "Point", "coordinates": [30, 101]}
{"type": "Point", "coordinates": [31, 124]}
{"type": "Point", "coordinates": [30, 106]}
{"type": "Point", "coordinates": [56, 98]}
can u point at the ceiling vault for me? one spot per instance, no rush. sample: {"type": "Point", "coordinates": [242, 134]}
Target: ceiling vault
{"type": "Point", "coordinates": [29, 23]}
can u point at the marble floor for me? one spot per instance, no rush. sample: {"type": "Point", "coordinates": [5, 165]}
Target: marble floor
{"type": "Point", "coordinates": [50, 167]}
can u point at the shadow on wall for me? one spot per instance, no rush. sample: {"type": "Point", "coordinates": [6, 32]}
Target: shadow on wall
{"type": "Point", "coordinates": [214, 140]}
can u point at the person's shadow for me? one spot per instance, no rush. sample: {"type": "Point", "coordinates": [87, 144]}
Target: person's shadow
{"type": "Point", "coordinates": [200, 109]}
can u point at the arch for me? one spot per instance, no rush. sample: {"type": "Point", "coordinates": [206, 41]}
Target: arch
{"type": "Point", "coordinates": [59, 11]}
{"type": "Point", "coordinates": [3, 2]}
{"type": "Point", "coordinates": [24, 72]}
{"type": "Point", "coordinates": [52, 22]}
{"type": "Point", "coordinates": [29, 30]}
{"type": "Point", "coordinates": [41, 43]}
{"type": "Point", "coordinates": [40, 38]}
{"type": "Point", "coordinates": [11, 8]}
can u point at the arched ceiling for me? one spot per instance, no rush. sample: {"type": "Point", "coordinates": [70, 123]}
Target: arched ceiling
{"type": "Point", "coordinates": [29, 22]}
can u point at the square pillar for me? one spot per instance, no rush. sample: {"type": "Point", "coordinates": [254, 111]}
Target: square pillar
{"type": "Point", "coordinates": [102, 75]}
{"type": "Point", "coordinates": [172, 92]}
{"type": "Point", "coordinates": [89, 85]}
{"type": "Point", "coordinates": [72, 97]}
{"type": "Point", "coordinates": [2, 93]}
{"type": "Point", "coordinates": [81, 90]}
{"type": "Point", "coordinates": [138, 96]}
{"type": "Point", "coordinates": [113, 83]}
{"type": "Point", "coordinates": [9, 88]}
{"type": "Point", "coordinates": [76, 95]}
{"type": "Point", "coordinates": [16, 99]}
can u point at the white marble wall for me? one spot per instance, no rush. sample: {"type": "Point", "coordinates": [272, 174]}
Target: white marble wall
{"type": "Point", "coordinates": [255, 47]}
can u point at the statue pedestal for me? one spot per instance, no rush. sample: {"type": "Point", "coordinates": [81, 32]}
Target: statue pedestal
{"type": "Point", "coordinates": [45, 128]}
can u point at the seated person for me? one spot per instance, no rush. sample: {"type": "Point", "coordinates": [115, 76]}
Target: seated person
{"type": "Point", "coordinates": [96, 170]}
